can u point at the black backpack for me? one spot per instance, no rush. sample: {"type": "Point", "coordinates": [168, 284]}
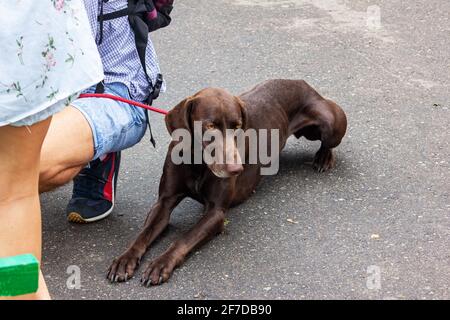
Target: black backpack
{"type": "Point", "coordinates": [145, 16]}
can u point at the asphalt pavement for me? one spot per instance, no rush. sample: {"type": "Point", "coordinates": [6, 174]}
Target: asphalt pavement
{"type": "Point", "coordinates": [376, 227]}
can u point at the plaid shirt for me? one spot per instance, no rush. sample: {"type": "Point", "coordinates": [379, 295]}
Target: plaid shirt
{"type": "Point", "coordinates": [118, 50]}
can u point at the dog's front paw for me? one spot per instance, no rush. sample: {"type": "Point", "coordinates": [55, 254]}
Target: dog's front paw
{"type": "Point", "coordinates": [324, 160]}
{"type": "Point", "coordinates": [159, 270]}
{"type": "Point", "coordinates": [123, 268]}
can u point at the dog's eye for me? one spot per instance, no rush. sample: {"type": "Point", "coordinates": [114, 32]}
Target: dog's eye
{"type": "Point", "coordinates": [210, 126]}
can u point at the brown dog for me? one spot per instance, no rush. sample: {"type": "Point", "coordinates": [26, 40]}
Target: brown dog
{"type": "Point", "coordinates": [291, 106]}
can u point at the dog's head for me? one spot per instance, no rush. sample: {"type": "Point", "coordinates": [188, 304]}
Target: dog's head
{"type": "Point", "coordinates": [216, 111]}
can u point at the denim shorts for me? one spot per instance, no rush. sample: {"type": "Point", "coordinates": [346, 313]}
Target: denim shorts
{"type": "Point", "coordinates": [115, 125]}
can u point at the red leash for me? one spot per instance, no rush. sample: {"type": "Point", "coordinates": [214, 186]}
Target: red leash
{"type": "Point", "coordinates": [134, 103]}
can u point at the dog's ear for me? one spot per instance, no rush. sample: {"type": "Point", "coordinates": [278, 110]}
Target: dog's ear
{"type": "Point", "coordinates": [179, 116]}
{"type": "Point", "coordinates": [244, 113]}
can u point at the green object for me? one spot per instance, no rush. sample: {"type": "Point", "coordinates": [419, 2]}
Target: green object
{"type": "Point", "coordinates": [18, 275]}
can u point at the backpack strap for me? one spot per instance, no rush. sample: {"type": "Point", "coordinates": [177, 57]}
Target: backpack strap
{"type": "Point", "coordinates": [116, 14]}
{"type": "Point", "coordinates": [153, 95]}
{"type": "Point", "coordinates": [141, 30]}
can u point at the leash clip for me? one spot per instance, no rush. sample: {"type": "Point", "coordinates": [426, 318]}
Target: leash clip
{"type": "Point", "coordinates": [157, 87]}
{"type": "Point", "coordinates": [156, 90]}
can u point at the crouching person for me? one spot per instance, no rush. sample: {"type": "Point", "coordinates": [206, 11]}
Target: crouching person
{"type": "Point", "coordinates": [85, 140]}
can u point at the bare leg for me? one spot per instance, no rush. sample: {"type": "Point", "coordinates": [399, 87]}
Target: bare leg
{"type": "Point", "coordinates": [67, 148]}
{"type": "Point", "coordinates": [160, 269]}
{"type": "Point", "coordinates": [20, 215]}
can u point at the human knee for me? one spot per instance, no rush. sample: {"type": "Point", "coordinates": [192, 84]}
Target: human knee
{"type": "Point", "coordinates": [52, 178]}
{"type": "Point", "coordinates": [16, 193]}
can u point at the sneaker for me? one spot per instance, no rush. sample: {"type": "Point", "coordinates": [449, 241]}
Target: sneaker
{"type": "Point", "coordinates": [94, 190]}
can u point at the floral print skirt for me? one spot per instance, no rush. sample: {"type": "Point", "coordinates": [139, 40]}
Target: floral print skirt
{"type": "Point", "coordinates": [48, 55]}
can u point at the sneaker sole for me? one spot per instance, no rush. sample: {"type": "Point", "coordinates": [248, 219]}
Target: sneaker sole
{"type": "Point", "coordinates": [75, 217]}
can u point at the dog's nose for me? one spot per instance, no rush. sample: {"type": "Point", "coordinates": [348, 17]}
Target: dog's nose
{"type": "Point", "coordinates": [234, 169]}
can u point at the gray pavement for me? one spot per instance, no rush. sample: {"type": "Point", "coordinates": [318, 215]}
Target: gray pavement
{"type": "Point", "coordinates": [385, 205]}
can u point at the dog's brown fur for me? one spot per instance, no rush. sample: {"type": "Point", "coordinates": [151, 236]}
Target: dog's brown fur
{"type": "Point", "coordinates": [291, 106]}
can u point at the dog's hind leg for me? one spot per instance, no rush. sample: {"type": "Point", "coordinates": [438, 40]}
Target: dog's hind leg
{"type": "Point", "coordinates": [332, 128]}
{"type": "Point", "coordinates": [324, 121]}
{"type": "Point", "coordinates": [324, 158]}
